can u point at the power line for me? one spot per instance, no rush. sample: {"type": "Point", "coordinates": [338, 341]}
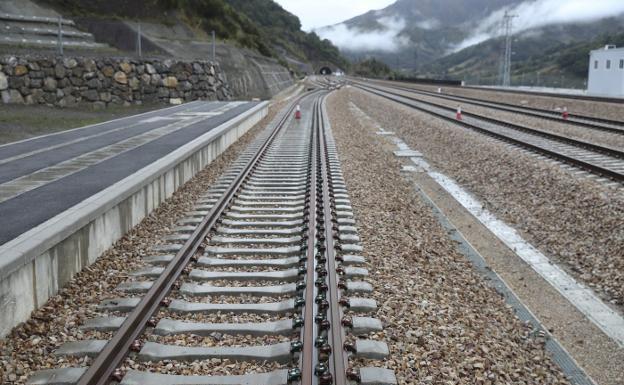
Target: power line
{"type": "Point", "coordinates": [506, 62]}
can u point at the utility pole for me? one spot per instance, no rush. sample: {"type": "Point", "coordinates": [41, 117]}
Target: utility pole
{"type": "Point", "coordinates": [214, 46]}
{"type": "Point", "coordinates": [60, 35]}
{"type": "Point", "coordinates": [506, 66]}
{"type": "Point", "coordinates": [501, 65]}
{"type": "Point", "coordinates": [138, 43]}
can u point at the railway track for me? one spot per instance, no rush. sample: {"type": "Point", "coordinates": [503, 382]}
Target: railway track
{"type": "Point", "coordinates": [606, 125]}
{"type": "Point", "coordinates": [272, 247]}
{"type": "Point", "coordinates": [603, 161]}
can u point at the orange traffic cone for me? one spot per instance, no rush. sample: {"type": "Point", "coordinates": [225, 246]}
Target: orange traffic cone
{"type": "Point", "coordinates": [459, 114]}
{"type": "Point", "coordinates": [565, 115]}
{"type": "Point", "coordinates": [298, 112]}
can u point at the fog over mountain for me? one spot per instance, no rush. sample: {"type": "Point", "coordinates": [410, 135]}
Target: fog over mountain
{"type": "Point", "coordinates": [533, 14]}
{"type": "Point", "coordinates": [411, 33]}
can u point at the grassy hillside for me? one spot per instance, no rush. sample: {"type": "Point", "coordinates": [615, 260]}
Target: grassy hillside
{"type": "Point", "coordinates": [261, 25]}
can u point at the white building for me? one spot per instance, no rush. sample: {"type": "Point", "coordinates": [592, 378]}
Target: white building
{"type": "Point", "coordinates": [606, 72]}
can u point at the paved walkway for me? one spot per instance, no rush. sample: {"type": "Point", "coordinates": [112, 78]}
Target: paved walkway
{"type": "Point", "coordinates": [44, 176]}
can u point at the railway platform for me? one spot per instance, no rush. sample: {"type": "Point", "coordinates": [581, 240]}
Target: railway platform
{"type": "Point", "coordinates": [66, 197]}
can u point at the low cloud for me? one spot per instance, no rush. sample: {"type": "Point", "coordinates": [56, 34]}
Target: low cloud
{"type": "Point", "coordinates": [387, 39]}
{"type": "Point", "coordinates": [539, 13]}
{"type": "Point", "coordinates": [428, 24]}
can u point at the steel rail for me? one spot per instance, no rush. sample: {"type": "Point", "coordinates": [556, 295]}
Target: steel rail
{"type": "Point", "coordinates": [576, 162]}
{"type": "Point", "coordinates": [102, 369]}
{"type": "Point", "coordinates": [559, 138]}
{"type": "Point", "coordinates": [338, 361]}
{"type": "Point", "coordinates": [307, 358]}
{"type": "Point", "coordinates": [529, 111]}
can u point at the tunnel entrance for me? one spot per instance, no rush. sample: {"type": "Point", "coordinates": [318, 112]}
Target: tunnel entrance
{"type": "Point", "coordinates": [325, 71]}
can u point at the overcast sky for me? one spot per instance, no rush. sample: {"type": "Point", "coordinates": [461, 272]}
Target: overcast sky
{"type": "Point", "coordinates": [319, 13]}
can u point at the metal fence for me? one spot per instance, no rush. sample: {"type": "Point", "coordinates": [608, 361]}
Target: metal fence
{"type": "Point", "coordinates": [531, 80]}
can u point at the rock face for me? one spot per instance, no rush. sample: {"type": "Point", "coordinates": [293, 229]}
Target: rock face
{"type": "Point", "coordinates": [4, 83]}
{"type": "Point", "coordinates": [101, 82]}
{"type": "Point", "coordinates": [121, 77]}
{"type": "Point", "coordinates": [170, 82]}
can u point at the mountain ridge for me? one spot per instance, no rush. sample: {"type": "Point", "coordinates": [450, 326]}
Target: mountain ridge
{"type": "Point", "coordinates": [428, 44]}
{"type": "Point", "coordinates": [432, 28]}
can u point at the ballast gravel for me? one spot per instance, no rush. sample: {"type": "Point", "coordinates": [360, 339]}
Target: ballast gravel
{"type": "Point", "coordinates": [30, 345]}
{"type": "Point", "coordinates": [442, 322]}
{"type": "Point", "coordinates": [574, 219]}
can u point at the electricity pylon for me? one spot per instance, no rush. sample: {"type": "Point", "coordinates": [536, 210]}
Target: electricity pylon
{"type": "Point", "coordinates": [506, 62]}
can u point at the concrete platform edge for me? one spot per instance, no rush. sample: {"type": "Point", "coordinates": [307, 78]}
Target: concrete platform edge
{"type": "Point", "coordinates": [35, 265]}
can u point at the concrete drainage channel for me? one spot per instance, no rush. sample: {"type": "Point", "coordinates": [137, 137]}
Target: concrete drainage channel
{"type": "Point", "coordinates": [272, 245]}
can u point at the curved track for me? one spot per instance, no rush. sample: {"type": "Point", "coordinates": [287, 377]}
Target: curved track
{"type": "Point", "coordinates": [274, 243]}
{"type": "Point", "coordinates": [599, 160]}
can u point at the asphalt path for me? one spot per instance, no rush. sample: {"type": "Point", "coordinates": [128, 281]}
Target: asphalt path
{"type": "Point", "coordinates": [31, 208]}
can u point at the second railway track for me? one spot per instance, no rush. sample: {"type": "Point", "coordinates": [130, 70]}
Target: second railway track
{"type": "Point", "coordinates": [603, 161]}
{"type": "Point", "coordinates": [266, 269]}
{"type": "Point", "coordinates": [589, 122]}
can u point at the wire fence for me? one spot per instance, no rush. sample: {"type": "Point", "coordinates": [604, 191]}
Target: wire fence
{"type": "Point", "coordinates": [61, 42]}
{"type": "Point", "coordinates": [530, 80]}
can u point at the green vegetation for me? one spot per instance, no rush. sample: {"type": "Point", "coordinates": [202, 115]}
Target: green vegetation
{"type": "Point", "coordinates": [261, 25]}
{"type": "Point", "coordinates": [283, 30]}
{"type": "Point", "coordinates": [218, 16]}
{"type": "Point", "coordinates": [372, 68]}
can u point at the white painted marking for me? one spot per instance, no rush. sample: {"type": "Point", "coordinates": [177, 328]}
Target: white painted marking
{"type": "Point", "coordinates": [155, 119]}
{"type": "Point", "coordinates": [582, 297]}
{"type": "Point", "coordinates": [412, 169]}
{"type": "Point", "coordinates": [407, 153]}
{"type": "Point", "coordinates": [191, 114]}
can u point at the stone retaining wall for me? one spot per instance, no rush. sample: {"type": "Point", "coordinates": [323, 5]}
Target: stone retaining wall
{"type": "Point", "coordinates": [100, 82]}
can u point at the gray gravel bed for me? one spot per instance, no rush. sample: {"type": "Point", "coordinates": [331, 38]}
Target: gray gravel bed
{"type": "Point", "coordinates": [246, 257]}
{"type": "Point", "coordinates": [214, 366]}
{"type": "Point", "coordinates": [442, 322]}
{"type": "Point", "coordinates": [219, 339]}
{"type": "Point", "coordinates": [233, 283]}
{"type": "Point", "coordinates": [27, 348]}
{"type": "Point", "coordinates": [576, 221]}
{"type": "Point", "coordinates": [229, 299]}
{"type": "Point", "coordinates": [240, 269]}
{"type": "Point", "coordinates": [224, 317]}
